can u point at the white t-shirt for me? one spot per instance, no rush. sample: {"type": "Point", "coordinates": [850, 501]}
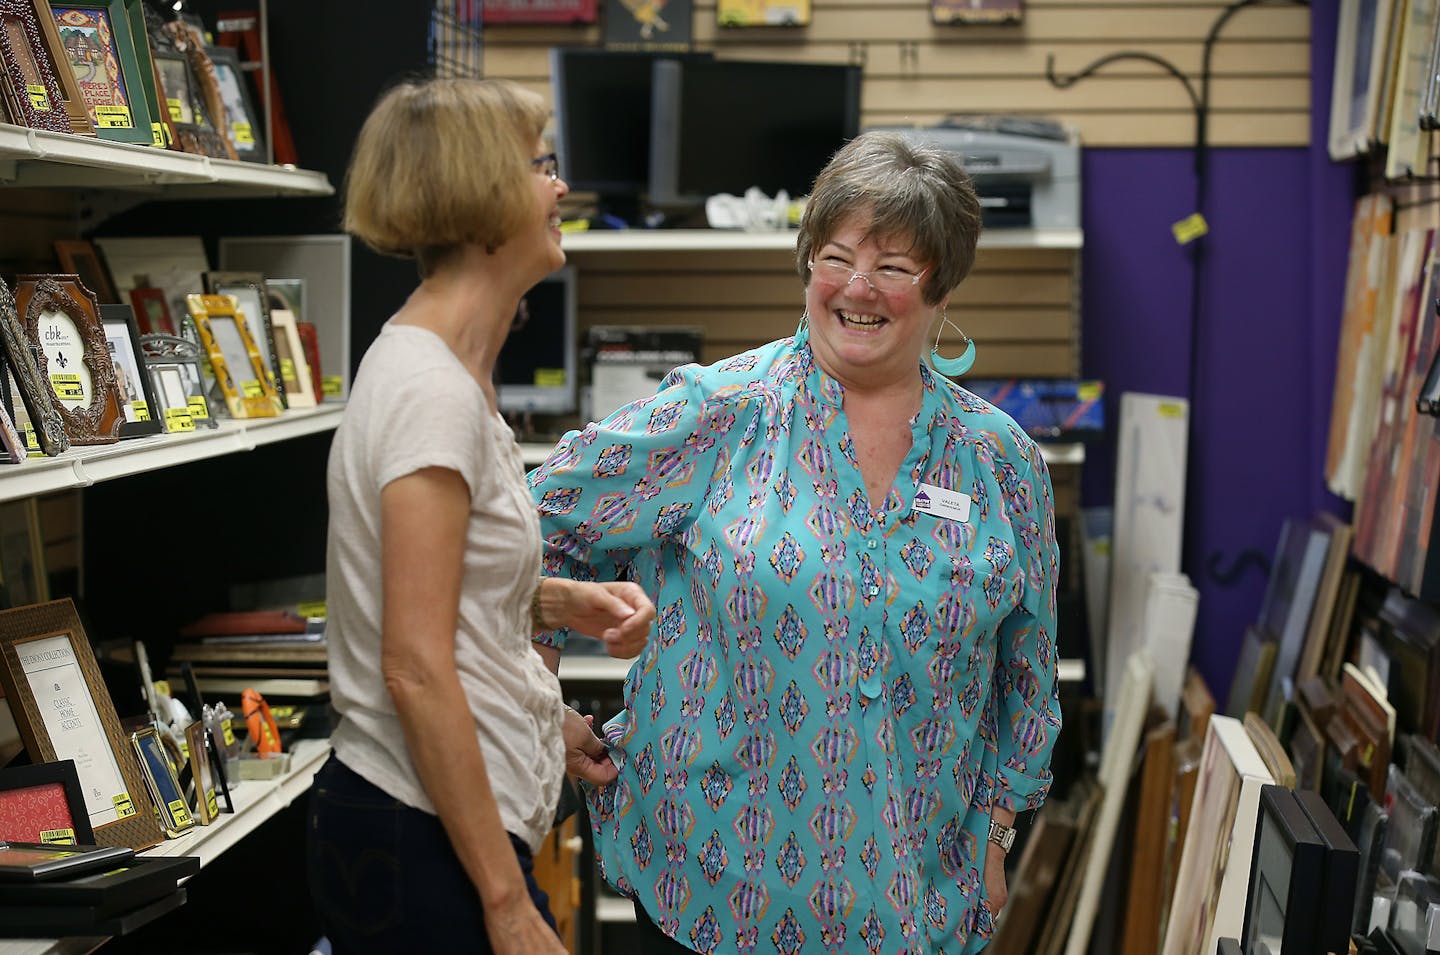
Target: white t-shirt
{"type": "Point", "coordinates": [413, 405]}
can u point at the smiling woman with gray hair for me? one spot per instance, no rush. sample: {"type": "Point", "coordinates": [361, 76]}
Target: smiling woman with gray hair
{"type": "Point", "coordinates": [852, 687]}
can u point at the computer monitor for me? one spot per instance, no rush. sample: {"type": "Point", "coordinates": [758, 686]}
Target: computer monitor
{"type": "Point", "coordinates": [727, 125]}
{"type": "Point", "coordinates": [602, 122]}
{"type": "Point", "coordinates": [535, 371]}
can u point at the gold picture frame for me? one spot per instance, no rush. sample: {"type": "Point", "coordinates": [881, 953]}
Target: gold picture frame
{"type": "Point", "coordinates": [63, 711]}
{"type": "Point", "coordinates": [173, 812]}
{"type": "Point", "coordinates": [58, 313]}
{"type": "Point", "coordinates": [234, 357]}
{"type": "Point", "coordinates": [207, 802]}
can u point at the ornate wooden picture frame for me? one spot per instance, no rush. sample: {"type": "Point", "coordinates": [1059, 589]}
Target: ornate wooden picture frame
{"type": "Point", "coordinates": [123, 340]}
{"type": "Point", "coordinates": [61, 318]}
{"type": "Point", "coordinates": [240, 374]}
{"type": "Point", "coordinates": [38, 95]}
{"type": "Point", "coordinates": [75, 108]}
{"type": "Point", "coordinates": [35, 393]}
{"type": "Point", "coordinates": [173, 365]}
{"type": "Point", "coordinates": [63, 711]}
{"type": "Point", "coordinates": [101, 53]}
{"type": "Point", "coordinates": [189, 42]}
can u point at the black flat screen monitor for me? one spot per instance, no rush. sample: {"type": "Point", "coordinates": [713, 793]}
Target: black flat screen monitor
{"type": "Point", "coordinates": [536, 368]}
{"type": "Point", "coordinates": [602, 122]}
{"type": "Point", "coordinates": [726, 125]}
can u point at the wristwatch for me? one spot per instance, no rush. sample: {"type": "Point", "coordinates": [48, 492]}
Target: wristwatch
{"type": "Point", "coordinates": [1002, 836]}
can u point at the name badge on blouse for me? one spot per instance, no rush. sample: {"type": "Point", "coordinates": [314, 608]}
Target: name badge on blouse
{"type": "Point", "coordinates": [942, 502]}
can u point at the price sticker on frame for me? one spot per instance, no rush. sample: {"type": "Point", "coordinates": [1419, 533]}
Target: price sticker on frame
{"type": "Point", "coordinates": [244, 136]}
{"type": "Point", "coordinates": [124, 808]}
{"type": "Point", "coordinates": [57, 837]}
{"type": "Point", "coordinates": [113, 117]}
{"type": "Point", "coordinates": [141, 409]}
{"type": "Point", "coordinates": [199, 408]}
{"type": "Point", "coordinates": [67, 386]}
{"type": "Point", "coordinates": [226, 733]}
{"type": "Point", "coordinates": [179, 812]}
{"type": "Point", "coordinates": [39, 99]}
{"type": "Point", "coordinates": [178, 419]}
{"type": "Point", "coordinates": [252, 389]}
{"type": "Point", "coordinates": [332, 385]}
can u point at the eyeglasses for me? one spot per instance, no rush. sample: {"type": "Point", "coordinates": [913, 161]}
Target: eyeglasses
{"type": "Point", "coordinates": [887, 279]}
{"type": "Point", "coordinates": [547, 165]}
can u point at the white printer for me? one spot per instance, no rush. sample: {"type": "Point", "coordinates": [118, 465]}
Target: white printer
{"type": "Point", "coordinates": [1026, 171]}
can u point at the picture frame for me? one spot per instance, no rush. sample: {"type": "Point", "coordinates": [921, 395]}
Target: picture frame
{"type": "Point", "coordinates": [243, 121]}
{"type": "Point", "coordinates": [254, 304]}
{"type": "Point", "coordinates": [310, 341]}
{"type": "Point", "coordinates": [644, 25]}
{"type": "Point", "coordinates": [62, 324]}
{"type": "Point", "coordinates": [101, 54]}
{"type": "Point", "coordinates": [152, 312]}
{"type": "Point", "coordinates": [294, 367]}
{"type": "Point", "coordinates": [46, 424]}
{"type": "Point", "coordinates": [123, 338]}
{"type": "Point", "coordinates": [539, 11]}
{"type": "Point", "coordinates": [23, 577]}
{"type": "Point", "coordinates": [171, 808]}
{"type": "Point", "coordinates": [1286, 872]}
{"type": "Point", "coordinates": [173, 364]}
{"type": "Point", "coordinates": [12, 445]}
{"type": "Point", "coordinates": [121, 885]}
{"type": "Point", "coordinates": [288, 294]}
{"type": "Point", "coordinates": [206, 808]}
{"type": "Point", "coordinates": [63, 711]}
{"type": "Point", "coordinates": [162, 131]}
{"type": "Point", "coordinates": [79, 257]}
{"type": "Point", "coordinates": [239, 371]}
{"type": "Point", "coordinates": [189, 42]}
{"type": "Point", "coordinates": [74, 100]}
{"type": "Point", "coordinates": [38, 861]}
{"type": "Point", "coordinates": [1360, 69]}
{"type": "Point", "coordinates": [185, 108]}
{"type": "Point", "coordinates": [762, 13]}
{"type": "Point", "coordinates": [44, 803]}
{"type": "Point", "coordinates": [39, 100]}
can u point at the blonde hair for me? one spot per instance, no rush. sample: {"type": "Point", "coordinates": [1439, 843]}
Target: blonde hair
{"type": "Point", "coordinates": [912, 190]}
{"type": "Point", "coordinates": [442, 163]}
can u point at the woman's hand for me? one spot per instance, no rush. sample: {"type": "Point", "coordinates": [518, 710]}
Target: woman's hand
{"type": "Point", "coordinates": [517, 928]}
{"type": "Point", "coordinates": [586, 756]}
{"type": "Point", "coordinates": [996, 891]}
{"type": "Point", "coordinates": [617, 612]}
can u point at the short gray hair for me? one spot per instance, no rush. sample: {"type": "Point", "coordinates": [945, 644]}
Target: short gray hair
{"type": "Point", "coordinates": [910, 189]}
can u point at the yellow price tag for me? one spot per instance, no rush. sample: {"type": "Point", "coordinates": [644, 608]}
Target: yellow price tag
{"type": "Point", "coordinates": [212, 803]}
{"type": "Point", "coordinates": [1190, 228]}
{"type": "Point", "coordinates": [332, 386]}
{"type": "Point", "coordinates": [31, 442]}
{"type": "Point", "coordinates": [1089, 390]}
{"type": "Point", "coordinates": [124, 808]}
{"type": "Point", "coordinates": [157, 135]}
{"type": "Point", "coordinates": [58, 837]}
{"type": "Point", "coordinates": [287, 371]}
{"type": "Point", "coordinates": [549, 377]}
{"type": "Point", "coordinates": [311, 608]}
{"type": "Point", "coordinates": [179, 812]}
{"type": "Point", "coordinates": [227, 734]}
{"type": "Point", "coordinates": [67, 387]}
{"type": "Point", "coordinates": [244, 136]}
{"type": "Point", "coordinates": [114, 117]}
{"type": "Point", "coordinates": [177, 110]}
{"type": "Point", "coordinates": [141, 409]}
{"type": "Point", "coordinates": [199, 408]}
{"type": "Point", "coordinates": [39, 99]}
{"type": "Point", "coordinates": [252, 389]}
{"type": "Point", "coordinates": [1169, 409]}
{"type": "Point", "coordinates": [178, 419]}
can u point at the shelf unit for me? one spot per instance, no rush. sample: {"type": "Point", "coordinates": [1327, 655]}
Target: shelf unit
{"type": "Point", "coordinates": [722, 240]}
{"type": "Point", "coordinates": [82, 467]}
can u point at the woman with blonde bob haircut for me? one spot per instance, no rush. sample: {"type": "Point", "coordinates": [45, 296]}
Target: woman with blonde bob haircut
{"type": "Point", "coordinates": [452, 740]}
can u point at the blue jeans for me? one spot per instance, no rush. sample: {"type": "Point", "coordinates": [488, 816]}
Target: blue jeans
{"type": "Point", "coordinates": [384, 877]}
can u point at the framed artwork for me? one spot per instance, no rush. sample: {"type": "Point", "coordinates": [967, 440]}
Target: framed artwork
{"type": "Point", "coordinates": [22, 554]}
{"type": "Point", "coordinates": [44, 803]}
{"type": "Point", "coordinates": [190, 43]}
{"type": "Point", "coordinates": [38, 99]}
{"type": "Point", "coordinates": [101, 54]}
{"type": "Point", "coordinates": [1360, 65]}
{"type": "Point", "coordinates": [239, 371]}
{"type": "Point", "coordinates": [206, 803]}
{"type": "Point", "coordinates": [648, 24]}
{"type": "Point", "coordinates": [173, 365]}
{"type": "Point", "coordinates": [137, 393]}
{"type": "Point", "coordinates": [539, 11]}
{"type": "Point", "coordinates": [152, 314]}
{"type": "Point", "coordinates": [171, 809]}
{"type": "Point", "coordinates": [253, 305]}
{"type": "Point", "coordinates": [977, 11]}
{"type": "Point", "coordinates": [174, 264]}
{"type": "Point", "coordinates": [79, 256]}
{"type": "Point", "coordinates": [762, 13]}
{"type": "Point", "coordinates": [35, 395]}
{"type": "Point", "coordinates": [242, 120]}
{"type": "Point", "coordinates": [62, 323]}
{"type": "Point", "coordinates": [294, 368]}
{"type": "Point", "coordinates": [63, 711]}
{"type": "Point", "coordinates": [73, 99]}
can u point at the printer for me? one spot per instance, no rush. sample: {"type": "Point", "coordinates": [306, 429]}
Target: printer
{"type": "Point", "coordinates": [1026, 171]}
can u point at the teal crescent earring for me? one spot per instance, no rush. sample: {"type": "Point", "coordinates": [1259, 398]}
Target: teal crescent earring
{"type": "Point", "coordinates": [952, 367]}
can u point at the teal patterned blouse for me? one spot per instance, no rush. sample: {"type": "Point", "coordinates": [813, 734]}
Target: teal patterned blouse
{"type": "Point", "coordinates": [836, 690]}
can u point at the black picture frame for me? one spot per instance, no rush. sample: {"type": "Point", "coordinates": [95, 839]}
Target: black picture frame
{"type": "Point", "coordinates": [1286, 870]}
{"type": "Point", "coordinates": [132, 372]}
{"type": "Point", "coordinates": [116, 888]}
{"type": "Point", "coordinates": [17, 779]}
{"type": "Point", "coordinates": [1342, 871]}
{"type": "Point", "coordinates": [37, 861]}
{"type": "Point", "coordinates": [243, 121]}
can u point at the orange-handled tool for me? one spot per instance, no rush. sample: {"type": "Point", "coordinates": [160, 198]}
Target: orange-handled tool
{"type": "Point", "coordinates": [263, 731]}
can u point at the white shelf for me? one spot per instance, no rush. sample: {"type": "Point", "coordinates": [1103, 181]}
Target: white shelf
{"type": "Point", "coordinates": [38, 158]}
{"type": "Point", "coordinates": [598, 669]}
{"type": "Point", "coordinates": [725, 240]}
{"type": "Point", "coordinates": [534, 455]}
{"type": "Point", "coordinates": [82, 467]}
{"type": "Point", "coordinates": [255, 802]}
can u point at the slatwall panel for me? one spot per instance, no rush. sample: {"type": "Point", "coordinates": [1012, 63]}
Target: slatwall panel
{"type": "Point", "coordinates": [1018, 304]}
{"type": "Point", "coordinates": [917, 72]}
